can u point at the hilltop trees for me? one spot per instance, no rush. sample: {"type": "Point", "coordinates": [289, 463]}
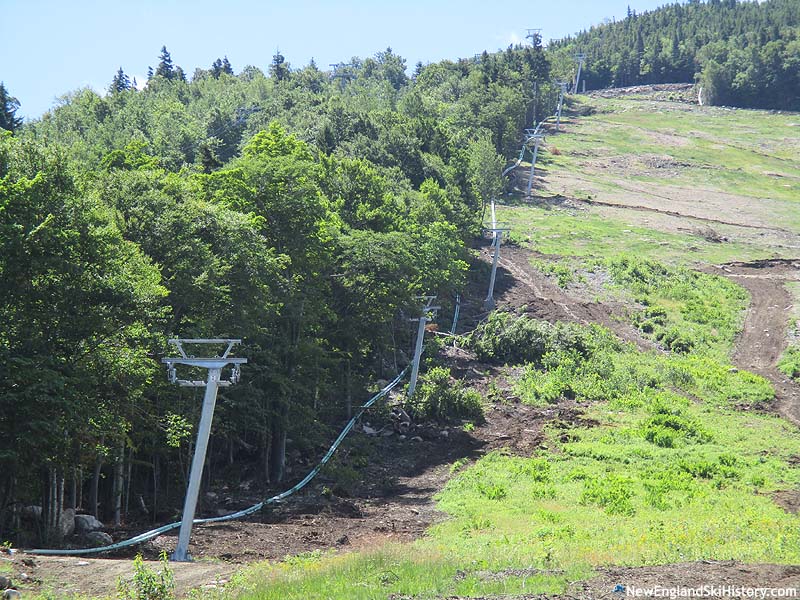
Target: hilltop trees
{"type": "Point", "coordinates": [743, 53]}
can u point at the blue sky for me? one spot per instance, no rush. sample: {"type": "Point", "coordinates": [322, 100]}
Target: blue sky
{"type": "Point", "coordinates": [49, 47]}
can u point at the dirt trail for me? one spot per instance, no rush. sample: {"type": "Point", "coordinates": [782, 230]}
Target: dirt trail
{"type": "Point", "coordinates": [763, 337]}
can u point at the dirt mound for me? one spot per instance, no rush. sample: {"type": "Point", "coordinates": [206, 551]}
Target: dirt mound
{"type": "Point", "coordinates": [520, 284]}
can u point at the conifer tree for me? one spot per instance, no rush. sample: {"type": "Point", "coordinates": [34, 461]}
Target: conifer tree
{"type": "Point", "coordinates": [8, 108]}
{"type": "Point", "coordinates": [226, 66]}
{"type": "Point", "coordinates": [279, 69]}
{"type": "Point", "coordinates": [120, 83]}
{"type": "Point", "coordinates": [165, 68]}
{"type": "Point", "coordinates": [216, 68]}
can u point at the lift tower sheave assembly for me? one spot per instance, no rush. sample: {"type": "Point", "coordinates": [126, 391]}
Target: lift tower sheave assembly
{"type": "Point", "coordinates": [214, 381]}
{"type": "Point", "coordinates": [535, 36]}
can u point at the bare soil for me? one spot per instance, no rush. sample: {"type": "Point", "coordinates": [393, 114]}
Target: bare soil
{"type": "Point", "coordinates": [763, 337]}
{"type": "Point", "coordinates": [619, 582]}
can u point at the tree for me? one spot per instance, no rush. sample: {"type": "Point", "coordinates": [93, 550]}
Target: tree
{"type": "Point", "coordinates": [120, 83]}
{"type": "Point", "coordinates": [8, 108]}
{"type": "Point", "coordinates": [165, 68]}
{"type": "Point", "coordinates": [485, 168]}
{"type": "Point", "coordinates": [279, 69]}
{"type": "Point", "coordinates": [226, 66]}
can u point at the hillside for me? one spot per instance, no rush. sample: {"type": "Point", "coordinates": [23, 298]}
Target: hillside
{"type": "Point", "coordinates": [622, 413]}
{"type": "Point", "coordinates": [637, 431]}
{"type": "Point", "coordinates": [743, 53]}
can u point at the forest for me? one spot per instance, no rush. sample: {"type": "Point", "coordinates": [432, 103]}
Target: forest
{"type": "Point", "coordinates": [744, 54]}
{"type": "Point", "coordinates": [298, 210]}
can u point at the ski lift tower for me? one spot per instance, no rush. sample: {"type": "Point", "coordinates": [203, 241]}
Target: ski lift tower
{"type": "Point", "coordinates": [535, 36]}
{"type": "Point", "coordinates": [581, 58]}
{"type": "Point", "coordinates": [428, 314]}
{"type": "Point", "coordinates": [214, 381]}
{"type": "Point", "coordinates": [496, 234]}
{"type": "Point", "coordinates": [532, 135]}
{"type": "Point", "coordinates": [563, 85]}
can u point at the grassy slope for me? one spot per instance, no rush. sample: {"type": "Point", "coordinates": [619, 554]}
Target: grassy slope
{"type": "Point", "coordinates": [676, 467]}
{"type": "Point", "coordinates": [751, 156]}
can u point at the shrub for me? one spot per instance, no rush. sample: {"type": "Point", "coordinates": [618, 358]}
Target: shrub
{"type": "Point", "coordinates": [612, 492]}
{"type": "Point", "coordinates": [666, 430]}
{"type": "Point", "coordinates": [146, 583]}
{"type": "Point", "coordinates": [506, 338]}
{"type": "Point", "coordinates": [440, 398]}
{"type": "Point", "coordinates": [789, 363]}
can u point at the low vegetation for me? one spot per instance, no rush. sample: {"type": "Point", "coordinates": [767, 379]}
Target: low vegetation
{"type": "Point", "coordinates": [440, 398]}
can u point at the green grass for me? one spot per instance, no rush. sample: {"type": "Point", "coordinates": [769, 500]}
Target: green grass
{"type": "Point", "coordinates": [661, 477]}
{"type": "Point", "coordinates": [750, 153]}
{"type": "Point", "coordinates": [567, 233]}
{"type": "Point", "coordinates": [562, 271]}
{"type": "Point", "coordinates": [789, 363]}
{"type": "Point", "coordinates": [684, 309]}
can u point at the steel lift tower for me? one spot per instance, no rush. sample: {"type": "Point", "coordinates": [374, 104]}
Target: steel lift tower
{"type": "Point", "coordinates": [581, 58]}
{"type": "Point", "coordinates": [214, 381]}
{"type": "Point", "coordinates": [428, 314]}
{"type": "Point", "coordinates": [563, 85]}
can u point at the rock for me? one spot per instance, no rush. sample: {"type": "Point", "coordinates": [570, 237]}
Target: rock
{"type": "Point", "coordinates": [99, 538]}
{"type": "Point", "coordinates": [5, 583]}
{"type": "Point", "coordinates": [82, 563]}
{"type": "Point", "coordinates": [733, 370]}
{"type": "Point", "coordinates": [68, 522]}
{"type": "Point", "coordinates": [86, 523]}
{"type": "Point", "coordinates": [28, 562]}
{"type": "Point", "coordinates": [343, 540]}
{"type": "Point", "coordinates": [416, 438]}
{"type": "Point", "coordinates": [24, 577]}
{"type": "Point", "coordinates": [369, 430]}
{"type": "Point", "coordinates": [445, 434]}
{"type": "Point", "coordinates": [11, 595]}
{"type": "Point", "coordinates": [402, 437]}
{"type": "Point", "coordinates": [388, 433]}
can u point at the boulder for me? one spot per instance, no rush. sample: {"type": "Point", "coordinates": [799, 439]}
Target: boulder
{"type": "Point", "coordinates": [86, 523]}
{"type": "Point", "coordinates": [11, 595]}
{"type": "Point", "coordinates": [99, 538]}
{"type": "Point", "coordinates": [5, 582]}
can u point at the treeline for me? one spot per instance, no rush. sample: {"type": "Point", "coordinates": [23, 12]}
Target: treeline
{"type": "Point", "coordinates": [298, 209]}
{"type": "Point", "coordinates": [742, 53]}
